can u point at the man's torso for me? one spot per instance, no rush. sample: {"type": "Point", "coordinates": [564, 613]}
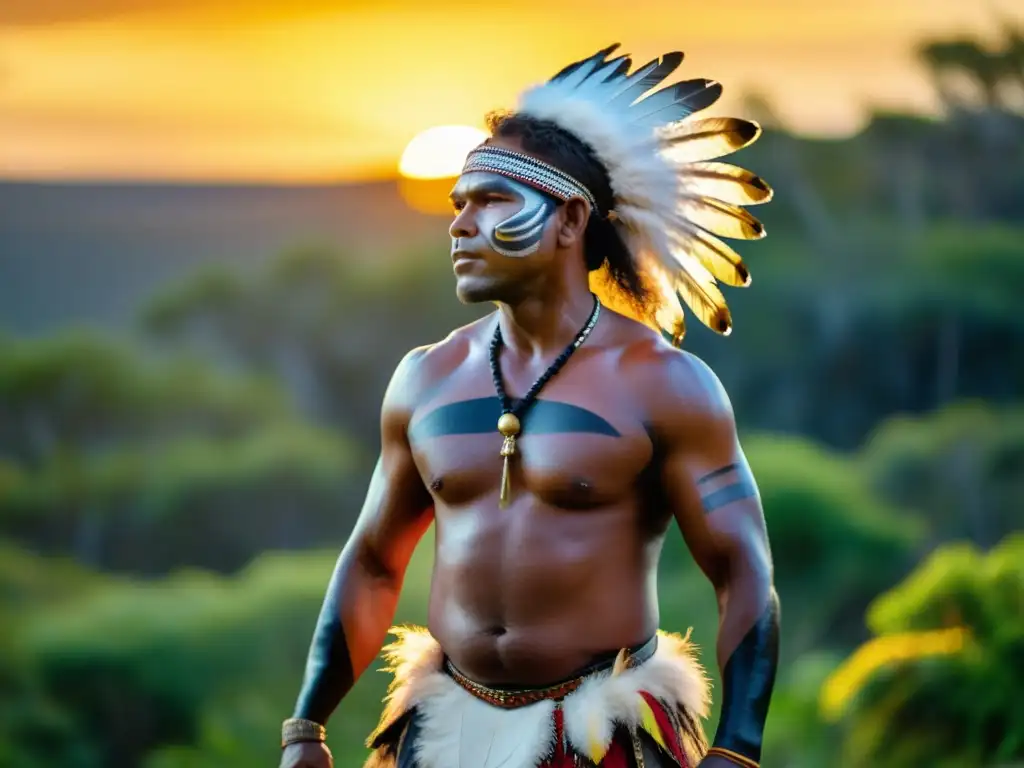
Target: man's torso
{"type": "Point", "coordinates": [532, 592]}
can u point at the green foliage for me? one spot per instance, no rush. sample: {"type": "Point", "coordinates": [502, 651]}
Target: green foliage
{"type": "Point", "coordinates": [328, 327]}
{"type": "Point", "coordinates": [197, 670]}
{"type": "Point", "coordinates": [142, 464]}
{"type": "Point", "coordinates": [959, 709]}
{"type": "Point", "coordinates": [28, 582]}
{"type": "Point", "coordinates": [890, 287]}
{"type": "Point", "coordinates": [79, 389]}
{"type": "Point", "coordinates": [872, 321]}
{"type": "Point", "coordinates": [963, 469]}
{"type": "Point", "coordinates": [34, 730]}
{"type": "Point", "coordinates": [981, 266]}
{"type": "Point", "coordinates": [209, 663]}
{"type": "Point", "coordinates": [824, 525]}
{"type": "Point", "coordinates": [796, 736]}
{"type": "Point", "coordinates": [959, 586]}
{"type": "Point", "coordinates": [199, 501]}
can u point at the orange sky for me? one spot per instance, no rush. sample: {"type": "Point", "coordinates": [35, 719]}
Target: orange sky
{"type": "Point", "coordinates": [278, 90]}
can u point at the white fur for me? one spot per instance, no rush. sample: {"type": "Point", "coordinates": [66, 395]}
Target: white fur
{"type": "Point", "coordinates": [645, 185]}
{"type": "Point", "coordinates": [672, 676]}
{"type": "Point", "coordinates": [640, 176]}
{"type": "Point", "coordinates": [459, 730]}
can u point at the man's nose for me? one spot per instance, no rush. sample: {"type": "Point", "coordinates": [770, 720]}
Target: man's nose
{"type": "Point", "coordinates": [463, 226]}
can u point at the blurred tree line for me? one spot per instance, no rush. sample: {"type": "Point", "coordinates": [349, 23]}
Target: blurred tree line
{"type": "Point", "coordinates": [171, 505]}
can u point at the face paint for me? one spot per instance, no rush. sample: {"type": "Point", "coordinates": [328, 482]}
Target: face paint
{"type": "Point", "coordinates": [517, 235]}
{"type": "Point", "coordinates": [521, 233]}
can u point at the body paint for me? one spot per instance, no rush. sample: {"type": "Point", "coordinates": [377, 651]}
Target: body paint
{"type": "Point", "coordinates": [517, 235]}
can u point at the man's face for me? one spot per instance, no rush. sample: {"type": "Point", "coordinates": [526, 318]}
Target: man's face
{"type": "Point", "coordinates": [502, 235]}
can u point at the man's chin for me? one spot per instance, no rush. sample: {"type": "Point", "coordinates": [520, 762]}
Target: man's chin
{"type": "Point", "coordinates": [475, 291]}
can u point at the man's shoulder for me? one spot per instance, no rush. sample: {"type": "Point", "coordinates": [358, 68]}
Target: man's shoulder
{"type": "Point", "coordinates": [652, 359]}
{"type": "Point", "coordinates": [672, 382]}
{"type": "Point", "coordinates": [424, 367]}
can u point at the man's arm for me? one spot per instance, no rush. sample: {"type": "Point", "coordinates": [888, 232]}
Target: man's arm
{"type": "Point", "coordinates": [363, 592]}
{"type": "Point", "coordinates": [715, 501]}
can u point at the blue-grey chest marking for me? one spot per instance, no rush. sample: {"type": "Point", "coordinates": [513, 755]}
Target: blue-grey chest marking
{"type": "Point", "coordinates": [480, 416]}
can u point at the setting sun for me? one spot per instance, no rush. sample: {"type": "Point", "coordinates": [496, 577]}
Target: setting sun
{"type": "Point", "coordinates": [439, 152]}
{"type": "Point", "coordinates": [430, 164]}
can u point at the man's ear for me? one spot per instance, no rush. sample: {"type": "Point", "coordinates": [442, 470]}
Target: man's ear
{"type": "Point", "coordinates": [573, 223]}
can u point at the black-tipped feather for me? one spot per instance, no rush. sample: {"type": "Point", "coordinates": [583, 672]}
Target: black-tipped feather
{"type": "Point", "coordinates": [727, 183]}
{"type": "Point", "coordinates": [596, 59]}
{"type": "Point", "coordinates": [675, 102]}
{"type": "Point", "coordinates": [692, 261]}
{"type": "Point", "coordinates": [698, 140]}
{"type": "Point", "coordinates": [645, 78]}
{"type": "Point", "coordinates": [625, 62]}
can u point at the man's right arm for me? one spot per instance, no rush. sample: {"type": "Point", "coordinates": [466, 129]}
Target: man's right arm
{"type": "Point", "coordinates": [363, 592]}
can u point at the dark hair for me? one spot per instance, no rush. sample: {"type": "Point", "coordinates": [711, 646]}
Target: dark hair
{"type": "Point", "coordinates": [602, 244]}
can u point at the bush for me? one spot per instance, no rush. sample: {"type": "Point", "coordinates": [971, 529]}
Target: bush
{"type": "Point", "coordinates": [200, 501]}
{"type": "Point", "coordinates": [197, 667]}
{"type": "Point", "coordinates": [962, 469]}
{"type": "Point", "coordinates": [941, 683]}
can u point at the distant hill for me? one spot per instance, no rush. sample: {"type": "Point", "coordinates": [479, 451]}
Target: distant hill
{"type": "Point", "coordinates": [93, 253]}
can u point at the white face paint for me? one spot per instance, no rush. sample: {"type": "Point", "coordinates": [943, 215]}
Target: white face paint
{"type": "Point", "coordinates": [515, 235]}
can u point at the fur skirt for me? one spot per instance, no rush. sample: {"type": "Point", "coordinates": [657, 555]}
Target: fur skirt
{"type": "Point", "coordinates": [648, 715]}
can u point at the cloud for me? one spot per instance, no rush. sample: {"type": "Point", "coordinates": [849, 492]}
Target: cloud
{"type": "Point", "coordinates": [44, 12]}
{"type": "Point", "coordinates": [293, 87]}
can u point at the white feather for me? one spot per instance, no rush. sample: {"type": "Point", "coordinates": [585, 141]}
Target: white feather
{"type": "Point", "coordinates": [639, 141]}
{"type": "Point", "coordinates": [458, 730]}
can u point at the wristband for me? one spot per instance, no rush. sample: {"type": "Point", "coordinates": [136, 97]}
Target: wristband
{"type": "Point", "coordinates": [297, 729]}
{"type": "Point", "coordinates": [733, 757]}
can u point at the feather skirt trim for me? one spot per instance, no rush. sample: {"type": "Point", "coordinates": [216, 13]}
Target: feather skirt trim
{"type": "Point", "coordinates": [456, 728]}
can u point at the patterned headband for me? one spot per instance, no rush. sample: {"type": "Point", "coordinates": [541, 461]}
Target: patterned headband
{"type": "Point", "coordinates": [529, 170]}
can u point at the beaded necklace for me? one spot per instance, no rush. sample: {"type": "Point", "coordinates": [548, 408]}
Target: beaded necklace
{"type": "Point", "coordinates": [510, 422]}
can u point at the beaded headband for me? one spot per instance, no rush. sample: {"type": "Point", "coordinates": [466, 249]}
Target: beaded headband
{"type": "Point", "coordinates": [528, 170]}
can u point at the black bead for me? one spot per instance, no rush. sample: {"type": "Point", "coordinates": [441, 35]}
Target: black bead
{"type": "Point", "coordinates": [495, 350]}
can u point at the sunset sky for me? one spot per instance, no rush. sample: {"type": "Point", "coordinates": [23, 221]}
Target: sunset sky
{"type": "Point", "coordinates": [318, 90]}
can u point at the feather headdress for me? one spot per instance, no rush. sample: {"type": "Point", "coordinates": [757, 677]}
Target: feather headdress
{"type": "Point", "coordinates": [672, 202]}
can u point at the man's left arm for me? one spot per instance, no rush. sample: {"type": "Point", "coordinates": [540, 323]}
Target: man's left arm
{"type": "Point", "coordinates": [716, 504]}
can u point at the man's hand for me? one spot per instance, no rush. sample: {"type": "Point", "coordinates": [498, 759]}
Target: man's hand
{"type": "Point", "coordinates": [307, 754]}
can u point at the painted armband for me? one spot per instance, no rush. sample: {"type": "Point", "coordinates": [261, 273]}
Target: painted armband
{"type": "Point", "coordinates": [329, 673]}
{"type": "Point", "coordinates": [747, 682]}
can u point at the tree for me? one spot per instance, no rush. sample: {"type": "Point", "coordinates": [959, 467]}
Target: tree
{"type": "Point", "coordinates": [327, 328]}
{"type": "Point", "coordinates": [940, 684]}
{"type": "Point", "coordinates": [188, 502]}
{"type": "Point", "coordinates": [996, 74]}
{"type": "Point", "coordinates": [81, 392]}
{"type": "Point", "coordinates": [961, 469]}
{"type": "Point", "coordinates": [130, 462]}
{"type": "Point", "coordinates": [193, 669]}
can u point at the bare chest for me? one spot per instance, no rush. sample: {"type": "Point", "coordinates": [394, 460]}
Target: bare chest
{"type": "Point", "coordinates": [576, 448]}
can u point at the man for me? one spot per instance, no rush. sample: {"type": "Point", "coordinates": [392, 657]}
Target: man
{"type": "Point", "coordinates": [552, 444]}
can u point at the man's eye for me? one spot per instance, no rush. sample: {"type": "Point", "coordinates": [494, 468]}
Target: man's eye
{"type": "Point", "coordinates": [458, 205]}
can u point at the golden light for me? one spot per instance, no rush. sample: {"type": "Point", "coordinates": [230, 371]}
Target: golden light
{"type": "Point", "coordinates": [432, 162]}
{"type": "Point", "coordinates": [439, 152]}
